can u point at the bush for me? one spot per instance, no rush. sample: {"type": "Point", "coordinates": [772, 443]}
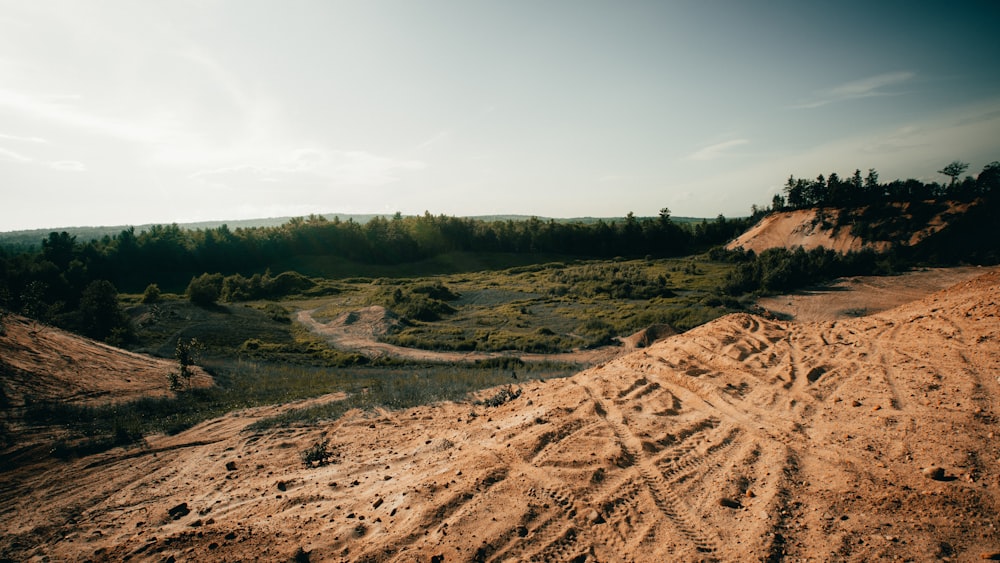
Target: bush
{"type": "Point", "coordinates": [286, 283]}
{"type": "Point", "coordinates": [102, 315]}
{"type": "Point", "coordinates": [238, 288]}
{"type": "Point", "coordinates": [597, 332]}
{"type": "Point", "coordinates": [318, 454]}
{"type": "Point", "coordinates": [436, 291]}
{"type": "Point", "coordinates": [205, 289]}
{"type": "Point", "coordinates": [152, 294]}
{"type": "Point", "coordinates": [186, 354]}
{"type": "Point", "coordinates": [416, 304]}
{"type": "Point", "coordinates": [502, 396]}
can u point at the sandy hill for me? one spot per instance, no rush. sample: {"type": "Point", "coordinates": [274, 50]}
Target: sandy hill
{"type": "Point", "coordinates": [742, 440]}
{"type": "Point", "coordinates": [44, 363]}
{"type": "Point", "coordinates": [812, 228]}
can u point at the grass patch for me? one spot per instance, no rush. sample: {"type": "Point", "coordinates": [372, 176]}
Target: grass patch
{"type": "Point", "coordinates": [395, 389]}
{"type": "Point", "coordinates": [542, 308]}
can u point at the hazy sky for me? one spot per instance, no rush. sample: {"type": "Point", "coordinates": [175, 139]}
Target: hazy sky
{"type": "Point", "coordinates": [129, 112]}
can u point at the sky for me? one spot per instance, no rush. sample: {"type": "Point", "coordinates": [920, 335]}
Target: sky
{"type": "Point", "coordinates": [138, 111]}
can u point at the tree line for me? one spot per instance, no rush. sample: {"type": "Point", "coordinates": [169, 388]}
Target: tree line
{"type": "Point", "coordinates": [62, 281]}
{"type": "Point", "coordinates": [858, 191]}
{"type": "Point", "coordinates": [74, 284]}
{"type": "Point", "coordinates": [876, 211]}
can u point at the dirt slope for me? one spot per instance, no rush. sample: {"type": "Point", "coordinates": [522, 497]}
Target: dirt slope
{"type": "Point", "coordinates": [741, 440]}
{"type": "Point", "coordinates": [790, 229]}
{"type": "Point", "coordinates": [49, 364]}
{"type": "Point", "coordinates": [804, 228]}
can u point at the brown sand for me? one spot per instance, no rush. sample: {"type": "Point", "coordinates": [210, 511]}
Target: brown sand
{"type": "Point", "coordinates": [46, 363]}
{"type": "Point", "coordinates": [800, 228]}
{"type": "Point", "coordinates": [744, 439]}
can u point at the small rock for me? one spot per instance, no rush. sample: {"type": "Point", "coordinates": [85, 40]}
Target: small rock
{"type": "Point", "coordinates": [301, 556]}
{"type": "Point", "coordinates": [594, 517]}
{"type": "Point", "coordinates": [282, 486]}
{"type": "Point", "coordinates": [855, 403]}
{"type": "Point", "coordinates": [934, 472]}
{"type": "Point", "coordinates": [179, 511]}
{"type": "Point", "coordinates": [231, 466]}
{"type": "Point", "coordinates": [522, 531]}
{"type": "Point", "coordinates": [730, 503]}
{"type": "Point", "coordinates": [990, 555]}
{"type": "Point", "coordinates": [377, 503]}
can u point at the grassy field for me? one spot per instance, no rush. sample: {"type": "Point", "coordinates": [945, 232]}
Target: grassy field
{"type": "Point", "coordinates": [551, 307]}
{"type": "Point", "coordinates": [260, 356]}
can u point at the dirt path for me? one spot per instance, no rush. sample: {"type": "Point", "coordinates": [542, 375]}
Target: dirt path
{"type": "Point", "coordinates": [360, 336]}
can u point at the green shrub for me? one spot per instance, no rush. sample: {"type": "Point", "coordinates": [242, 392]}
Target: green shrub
{"type": "Point", "coordinates": [101, 315]}
{"type": "Point", "coordinates": [318, 454]}
{"type": "Point", "coordinates": [205, 289]}
{"type": "Point", "coordinates": [437, 291]}
{"type": "Point", "coordinates": [597, 332]}
{"type": "Point", "coordinates": [152, 294]}
{"type": "Point", "coordinates": [502, 396]}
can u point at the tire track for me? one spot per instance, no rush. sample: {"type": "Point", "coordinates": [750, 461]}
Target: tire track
{"type": "Point", "coordinates": [665, 499]}
{"type": "Point", "coordinates": [551, 441]}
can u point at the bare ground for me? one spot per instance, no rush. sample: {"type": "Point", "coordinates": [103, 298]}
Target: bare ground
{"type": "Point", "coordinates": [46, 363]}
{"type": "Point", "coordinates": [865, 295]}
{"type": "Point", "coordinates": [745, 439]}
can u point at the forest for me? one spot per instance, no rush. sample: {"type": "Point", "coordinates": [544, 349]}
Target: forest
{"type": "Point", "coordinates": [66, 281]}
{"type": "Point", "coordinates": [74, 284]}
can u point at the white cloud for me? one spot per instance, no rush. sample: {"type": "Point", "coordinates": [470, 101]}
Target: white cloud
{"type": "Point", "coordinates": [857, 89]}
{"type": "Point", "coordinates": [68, 165]}
{"type": "Point", "coordinates": [12, 155]}
{"type": "Point", "coordinates": [717, 150]}
{"type": "Point", "coordinates": [22, 139]}
{"type": "Point", "coordinates": [312, 165]}
{"type": "Point", "coordinates": [69, 115]}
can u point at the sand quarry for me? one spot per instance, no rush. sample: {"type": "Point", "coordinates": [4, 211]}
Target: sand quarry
{"type": "Point", "coordinates": [852, 438]}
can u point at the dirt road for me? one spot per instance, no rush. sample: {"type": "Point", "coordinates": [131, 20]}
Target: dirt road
{"type": "Point", "coordinates": [358, 332]}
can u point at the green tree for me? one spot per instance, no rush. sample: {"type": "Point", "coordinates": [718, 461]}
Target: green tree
{"type": "Point", "coordinates": [102, 316]}
{"type": "Point", "coordinates": [152, 293]}
{"type": "Point", "coordinates": [955, 169]}
{"type": "Point", "coordinates": [989, 179]}
{"type": "Point", "coordinates": [186, 353]}
{"type": "Point", "coordinates": [59, 249]}
{"type": "Point", "coordinates": [205, 289]}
